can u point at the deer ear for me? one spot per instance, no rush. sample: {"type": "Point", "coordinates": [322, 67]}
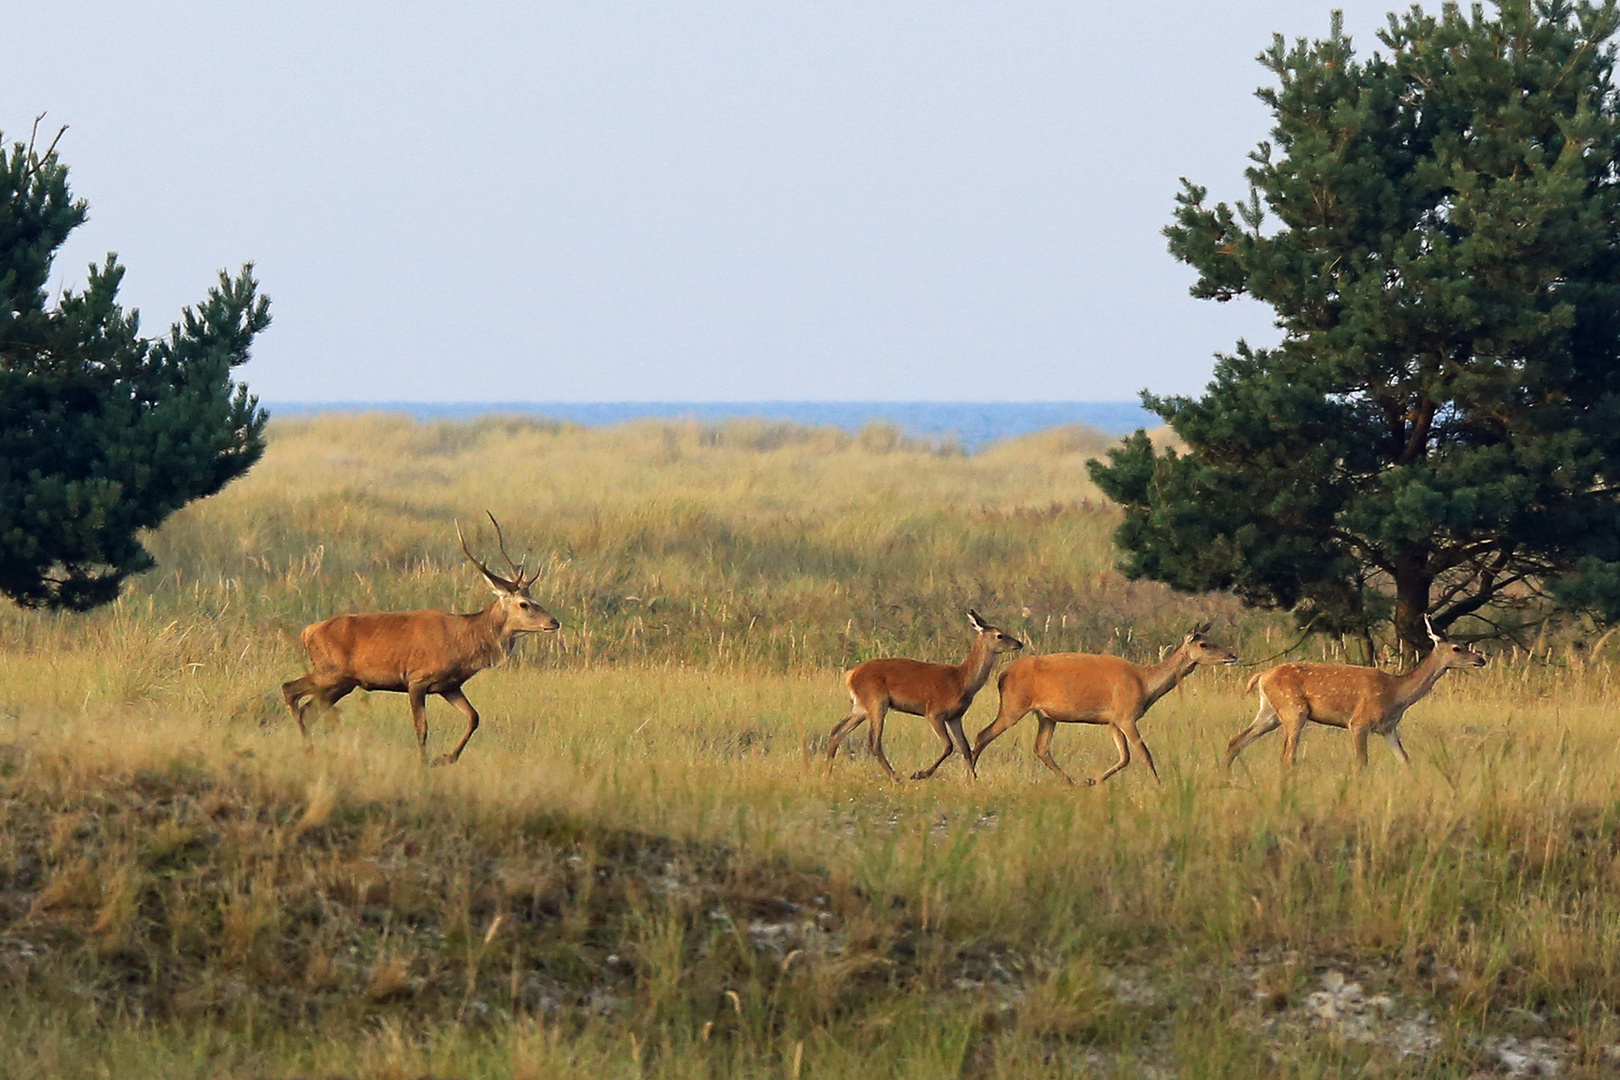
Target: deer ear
{"type": "Point", "coordinates": [978, 621]}
{"type": "Point", "coordinates": [1198, 628]}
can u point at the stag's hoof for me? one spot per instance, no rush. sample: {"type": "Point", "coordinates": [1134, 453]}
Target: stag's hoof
{"type": "Point", "coordinates": [442, 759]}
{"type": "Point", "coordinates": [1089, 782]}
{"type": "Point", "coordinates": [921, 775]}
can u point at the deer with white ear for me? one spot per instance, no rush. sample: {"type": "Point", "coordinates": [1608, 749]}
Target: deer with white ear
{"type": "Point", "coordinates": [1365, 700]}
{"type": "Point", "coordinates": [939, 692]}
{"type": "Point", "coordinates": [418, 652]}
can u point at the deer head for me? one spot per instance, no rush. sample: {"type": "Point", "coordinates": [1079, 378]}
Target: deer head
{"type": "Point", "coordinates": [1449, 654]}
{"type": "Point", "coordinates": [998, 639]}
{"type": "Point", "coordinates": [1201, 650]}
{"type": "Point", "coordinates": [523, 615]}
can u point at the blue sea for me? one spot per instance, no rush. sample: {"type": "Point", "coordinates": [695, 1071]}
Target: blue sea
{"type": "Point", "coordinates": [973, 424]}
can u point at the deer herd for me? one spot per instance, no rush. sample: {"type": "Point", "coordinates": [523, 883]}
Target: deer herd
{"type": "Point", "coordinates": [420, 653]}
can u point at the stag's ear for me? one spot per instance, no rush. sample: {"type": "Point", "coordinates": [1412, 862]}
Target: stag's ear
{"type": "Point", "coordinates": [978, 621]}
{"type": "Point", "coordinates": [1428, 624]}
{"type": "Point", "coordinates": [1198, 630]}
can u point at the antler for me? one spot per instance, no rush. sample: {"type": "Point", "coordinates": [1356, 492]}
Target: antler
{"type": "Point", "coordinates": [1428, 624]}
{"type": "Point", "coordinates": [493, 578]}
{"type": "Point", "coordinates": [517, 568]}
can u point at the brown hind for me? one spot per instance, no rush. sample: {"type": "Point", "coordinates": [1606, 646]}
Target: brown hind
{"type": "Point", "coordinates": [939, 692]}
{"type": "Point", "coordinates": [1081, 688]}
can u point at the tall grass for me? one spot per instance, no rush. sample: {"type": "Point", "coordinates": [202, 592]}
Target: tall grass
{"type": "Point", "coordinates": [712, 582]}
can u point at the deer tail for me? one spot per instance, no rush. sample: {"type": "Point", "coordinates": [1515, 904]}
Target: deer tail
{"type": "Point", "coordinates": [1255, 678]}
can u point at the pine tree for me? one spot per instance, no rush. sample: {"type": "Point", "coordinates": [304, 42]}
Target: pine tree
{"type": "Point", "coordinates": [102, 432]}
{"type": "Point", "coordinates": [1437, 228]}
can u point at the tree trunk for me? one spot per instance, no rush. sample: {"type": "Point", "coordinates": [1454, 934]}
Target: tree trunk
{"type": "Point", "coordinates": [1411, 604]}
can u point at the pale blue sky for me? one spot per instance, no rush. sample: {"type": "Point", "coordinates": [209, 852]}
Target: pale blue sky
{"type": "Point", "coordinates": [698, 201]}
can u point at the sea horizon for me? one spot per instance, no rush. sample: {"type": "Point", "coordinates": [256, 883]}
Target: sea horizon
{"type": "Point", "coordinates": [973, 424]}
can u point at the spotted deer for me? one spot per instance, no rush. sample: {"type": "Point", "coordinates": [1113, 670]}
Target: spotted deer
{"type": "Point", "coordinates": [1363, 699]}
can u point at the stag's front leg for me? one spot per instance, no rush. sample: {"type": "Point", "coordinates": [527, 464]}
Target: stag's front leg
{"type": "Point", "coordinates": [1393, 738]}
{"type": "Point", "coordinates": [418, 695]}
{"type": "Point", "coordinates": [459, 700]}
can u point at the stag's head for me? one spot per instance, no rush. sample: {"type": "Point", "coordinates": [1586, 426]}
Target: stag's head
{"type": "Point", "coordinates": [998, 639]}
{"type": "Point", "coordinates": [1200, 650]}
{"type": "Point", "coordinates": [1449, 653]}
{"type": "Point", "coordinates": [523, 615]}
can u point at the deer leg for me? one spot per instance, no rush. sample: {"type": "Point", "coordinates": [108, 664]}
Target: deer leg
{"type": "Point", "coordinates": [960, 738]}
{"type": "Point", "coordinates": [292, 692]}
{"type": "Point", "coordinates": [1293, 725]}
{"type": "Point", "coordinates": [1393, 738]}
{"type": "Point", "coordinates": [874, 741]}
{"type": "Point", "coordinates": [1265, 722]}
{"type": "Point", "coordinates": [1134, 740]}
{"type": "Point", "coordinates": [1005, 718]}
{"type": "Point", "coordinates": [1360, 731]}
{"type": "Point", "coordinates": [1043, 748]}
{"type": "Point", "coordinates": [841, 729]}
{"type": "Point", "coordinates": [1124, 754]}
{"type": "Point", "coordinates": [418, 696]}
{"type": "Point", "coordinates": [459, 700]}
{"type": "Point", "coordinates": [944, 737]}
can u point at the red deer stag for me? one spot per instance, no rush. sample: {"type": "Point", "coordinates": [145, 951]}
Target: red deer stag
{"type": "Point", "coordinates": [1362, 699]}
{"type": "Point", "coordinates": [1079, 688]}
{"type": "Point", "coordinates": [939, 692]}
{"type": "Point", "coordinates": [417, 652]}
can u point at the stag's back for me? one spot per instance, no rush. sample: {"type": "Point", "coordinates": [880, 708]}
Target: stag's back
{"type": "Point", "coordinates": [389, 650]}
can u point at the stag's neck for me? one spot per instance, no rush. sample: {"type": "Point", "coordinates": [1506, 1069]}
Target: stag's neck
{"type": "Point", "coordinates": [1419, 681]}
{"type": "Point", "coordinates": [1161, 678]}
{"type": "Point", "coordinates": [495, 639]}
{"type": "Point", "coordinates": [976, 668]}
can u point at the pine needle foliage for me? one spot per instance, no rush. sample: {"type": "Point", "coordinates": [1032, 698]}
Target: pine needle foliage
{"type": "Point", "coordinates": [104, 433]}
{"type": "Point", "coordinates": [1438, 431]}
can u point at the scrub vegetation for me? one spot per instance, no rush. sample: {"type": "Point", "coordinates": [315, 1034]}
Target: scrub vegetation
{"type": "Point", "coordinates": [638, 869]}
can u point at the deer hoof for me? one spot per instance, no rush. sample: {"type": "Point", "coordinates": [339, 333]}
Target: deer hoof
{"type": "Point", "coordinates": [442, 759]}
{"type": "Point", "coordinates": [920, 775]}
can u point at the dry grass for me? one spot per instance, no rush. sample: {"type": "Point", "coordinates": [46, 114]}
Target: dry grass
{"type": "Point", "coordinates": [636, 868]}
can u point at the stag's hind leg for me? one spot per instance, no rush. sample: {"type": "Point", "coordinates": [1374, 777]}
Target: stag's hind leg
{"type": "Point", "coordinates": [459, 700]}
{"type": "Point", "coordinates": [308, 692]}
{"type": "Point", "coordinates": [1265, 722]}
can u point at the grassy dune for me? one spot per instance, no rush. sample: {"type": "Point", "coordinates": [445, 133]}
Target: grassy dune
{"type": "Point", "coordinates": [637, 869]}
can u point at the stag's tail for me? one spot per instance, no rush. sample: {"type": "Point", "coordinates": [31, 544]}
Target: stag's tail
{"type": "Point", "coordinates": [1253, 679]}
